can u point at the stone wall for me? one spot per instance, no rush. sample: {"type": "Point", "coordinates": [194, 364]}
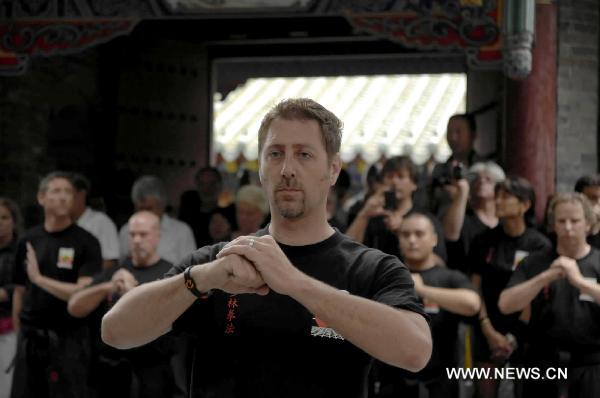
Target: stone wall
{"type": "Point", "coordinates": [577, 119]}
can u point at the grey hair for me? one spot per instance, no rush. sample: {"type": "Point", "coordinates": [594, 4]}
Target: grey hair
{"type": "Point", "coordinates": [491, 168]}
{"type": "Point", "coordinates": [149, 186]}
{"type": "Point", "coordinates": [254, 196]}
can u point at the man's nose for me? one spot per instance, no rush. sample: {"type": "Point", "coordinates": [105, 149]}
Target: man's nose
{"type": "Point", "coordinates": [288, 169]}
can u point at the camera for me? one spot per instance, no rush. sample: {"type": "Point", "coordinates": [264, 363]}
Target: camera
{"type": "Point", "coordinates": [447, 173]}
{"type": "Point", "coordinates": [390, 200]}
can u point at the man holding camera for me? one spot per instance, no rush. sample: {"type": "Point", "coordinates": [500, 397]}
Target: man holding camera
{"type": "Point", "coordinates": [378, 222]}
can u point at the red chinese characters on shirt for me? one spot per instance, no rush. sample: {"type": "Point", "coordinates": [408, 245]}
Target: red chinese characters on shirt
{"type": "Point", "coordinates": [232, 305]}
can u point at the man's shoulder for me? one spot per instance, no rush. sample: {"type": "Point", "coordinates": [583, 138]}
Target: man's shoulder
{"type": "Point", "coordinates": [539, 259]}
{"type": "Point", "coordinates": [34, 232]}
{"type": "Point", "coordinates": [358, 250]}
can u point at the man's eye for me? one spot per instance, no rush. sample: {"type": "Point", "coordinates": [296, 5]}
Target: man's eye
{"type": "Point", "coordinates": [305, 155]}
{"type": "Point", "coordinates": [274, 154]}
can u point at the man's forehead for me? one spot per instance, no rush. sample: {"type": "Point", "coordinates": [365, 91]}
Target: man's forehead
{"type": "Point", "coordinates": [59, 181]}
{"type": "Point", "coordinates": [571, 208]}
{"type": "Point", "coordinates": [416, 222]}
{"type": "Point", "coordinates": [299, 131]}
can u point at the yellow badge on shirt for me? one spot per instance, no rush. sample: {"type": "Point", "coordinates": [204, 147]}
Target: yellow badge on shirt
{"type": "Point", "coordinates": [66, 256]}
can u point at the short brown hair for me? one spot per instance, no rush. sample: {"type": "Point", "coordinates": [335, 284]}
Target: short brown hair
{"type": "Point", "coordinates": [571, 197]}
{"type": "Point", "coordinates": [305, 109]}
{"type": "Point", "coordinates": [45, 181]}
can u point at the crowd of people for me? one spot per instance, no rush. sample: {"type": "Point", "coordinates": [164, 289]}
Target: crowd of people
{"type": "Point", "coordinates": [455, 246]}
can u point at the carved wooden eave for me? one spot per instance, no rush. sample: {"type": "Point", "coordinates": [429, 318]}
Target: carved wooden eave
{"type": "Point", "coordinates": [31, 28]}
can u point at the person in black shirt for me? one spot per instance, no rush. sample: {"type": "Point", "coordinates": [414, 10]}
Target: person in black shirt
{"type": "Point", "coordinates": [471, 212]}
{"type": "Point", "coordinates": [494, 257]}
{"type": "Point", "coordinates": [447, 296]}
{"type": "Point", "coordinates": [560, 285]}
{"type": "Point", "coordinates": [142, 372]}
{"type": "Point", "coordinates": [589, 185]}
{"type": "Point", "coordinates": [461, 134]}
{"type": "Point", "coordinates": [297, 310]}
{"type": "Point", "coordinates": [376, 226]}
{"type": "Point", "coordinates": [53, 261]}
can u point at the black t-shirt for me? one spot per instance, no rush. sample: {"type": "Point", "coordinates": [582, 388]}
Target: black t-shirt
{"type": "Point", "coordinates": [378, 236]}
{"type": "Point", "coordinates": [272, 346]}
{"type": "Point", "coordinates": [458, 251]}
{"type": "Point", "coordinates": [142, 274]}
{"type": "Point", "coordinates": [154, 352]}
{"type": "Point", "coordinates": [65, 256]}
{"type": "Point", "coordinates": [444, 324]}
{"type": "Point", "coordinates": [560, 315]}
{"type": "Point", "coordinates": [494, 256]}
{"type": "Point", "coordinates": [594, 240]}
{"type": "Point", "coordinates": [444, 330]}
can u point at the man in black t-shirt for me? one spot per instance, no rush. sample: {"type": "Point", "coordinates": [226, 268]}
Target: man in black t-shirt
{"type": "Point", "coordinates": [145, 371]}
{"type": "Point", "coordinates": [561, 286]}
{"type": "Point", "coordinates": [53, 260]}
{"type": "Point", "coordinates": [377, 226]}
{"type": "Point", "coordinates": [447, 296]}
{"type": "Point", "coordinates": [296, 310]}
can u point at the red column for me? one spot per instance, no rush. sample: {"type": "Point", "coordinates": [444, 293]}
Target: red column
{"type": "Point", "coordinates": [530, 140]}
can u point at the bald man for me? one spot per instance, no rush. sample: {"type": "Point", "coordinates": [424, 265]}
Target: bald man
{"type": "Point", "coordinates": [150, 373]}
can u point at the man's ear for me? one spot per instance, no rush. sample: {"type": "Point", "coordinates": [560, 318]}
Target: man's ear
{"type": "Point", "coordinates": [260, 172]}
{"type": "Point", "coordinates": [40, 198]}
{"type": "Point", "coordinates": [335, 168]}
{"type": "Point", "coordinates": [527, 205]}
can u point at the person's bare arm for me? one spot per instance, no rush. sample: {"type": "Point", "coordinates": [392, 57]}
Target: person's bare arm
{"type": "Point", "coordinates": [460, 301]}
{"type": "Point", "coordinates": [59, 289]}
{"type": "Point", "coordinates": [373, 207]}
{"type": "Point", "coordinates": [571, 271]}
{"type": "Point", "coordinates": [86, 300]}
{"type": "Point", "coordinates": [454, 217]}
{"type": "Point", "coordinates": [148, 311]}
{"type": "Point", "coordinates": [518, 297]}
{"type": "Point", "coordinates": [498, 343]}
{"type": "Point", "coordinates": [397, 337]}
{"type": "Point", "coordinates": [17, 305]}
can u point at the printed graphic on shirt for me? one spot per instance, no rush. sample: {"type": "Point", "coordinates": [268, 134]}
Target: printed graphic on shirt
{"type": "Point", "coordinates": [519, 256]}
{"type": "Point", "coordinates": [320, 328]}
{"type": "Point", "coordinates": [587, 297]}
{"type": "Point", "coordinates": [232, 306]}
{"type": "Point", "coordinates": [66, 256]}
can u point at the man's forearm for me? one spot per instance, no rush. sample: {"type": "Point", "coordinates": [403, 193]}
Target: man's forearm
{"type": "Point", "coordinates": [518, 297]}
{"type": "Point", "coordinates": [17, 305]}
{"type": "Point", "coordinates": [398, 337]}
{"type": "Point", "coordinates": [357, 229]}
{"type": "Point", "coordinates": [146, 312]}
{"type": "Point", "coordinates": [83, 302]}
{"type": "Point", "coordinates": [59, 289]}
{"type": "Point", "coordinates": [454, 219]}
{"type": "Point", "coordinates": [459, 301]}
{"type": "Point", "coordinates": [590, 288]}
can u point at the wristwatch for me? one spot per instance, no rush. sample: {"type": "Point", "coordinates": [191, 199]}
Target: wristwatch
{"type": "Point", "coordinates": [191, 285]}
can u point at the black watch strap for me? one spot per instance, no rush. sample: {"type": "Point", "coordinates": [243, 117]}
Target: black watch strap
{"type": "Point", "coordinates": [191, 285]}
